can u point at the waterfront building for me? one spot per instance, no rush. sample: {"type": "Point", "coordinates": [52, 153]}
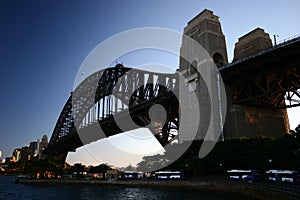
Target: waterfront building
{"type": "Point", "coordinates": [16, 157]}
{"type": "Point", "coordinates": [8, 160]}
{"type": "Point", "coordinates": [43, 146]}
{"type": "Point", "coordinates": [114, 174]}
{"type": "Point", "coordinates": [37, 147]}
{"type": "Point", "coordinates": [33, 149]}
{"type": "Point", "coordinates": [24, 154]}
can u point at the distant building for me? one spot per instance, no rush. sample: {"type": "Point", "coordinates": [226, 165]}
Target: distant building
{"type": "Point", "coordinates": [37, 147]}
{"type": "Point", "coordinates": [16, 157]}
{"type": "Point", "coordinates": [43, 146]}
{"type": "Point", "coordinates": [8, 160]}
{"type": "Point", "coordinates": [114, 174]}
{"type": "Point", "coordinates": [33, 149]}
{"type": "Point", "coordinates": [0, 154]}
{"type": "Point", "coordinates": [24, 154]}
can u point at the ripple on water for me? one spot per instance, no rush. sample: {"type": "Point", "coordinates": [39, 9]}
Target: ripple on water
{"type": "Point", "coordinates": [9, 190]}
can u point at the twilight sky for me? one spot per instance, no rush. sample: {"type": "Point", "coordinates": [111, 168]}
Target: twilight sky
{"type": "Point", "coordinates": [43, 43]}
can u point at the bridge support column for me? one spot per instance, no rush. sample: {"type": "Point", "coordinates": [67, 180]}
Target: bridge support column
{"type": "Point", "coordinates": [252, 122]}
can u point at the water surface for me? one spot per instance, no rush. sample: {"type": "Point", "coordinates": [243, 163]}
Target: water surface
{"type": "Point", "coordinates": [10, 190]}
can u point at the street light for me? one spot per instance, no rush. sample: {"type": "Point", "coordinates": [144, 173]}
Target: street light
{"type": "Point", "coordinates": [270, 163]}
{"type": "Point", "coordinates": [275, 43]}
{"type": "Point", "coordinates": [221, 168]}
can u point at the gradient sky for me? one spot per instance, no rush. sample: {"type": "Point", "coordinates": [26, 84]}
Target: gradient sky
{"type": "Point", "coordinates": [43, 43]}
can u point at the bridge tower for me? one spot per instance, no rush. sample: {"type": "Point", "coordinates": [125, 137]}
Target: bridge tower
{"type": "Point", "coordinates": [241, 119]}
{"type": "Point", "coordinates": [253, 42]}
{"type": "Point", "coordinates": [251, 118]}
{"type": "Point", "coordinates": [205, 29]}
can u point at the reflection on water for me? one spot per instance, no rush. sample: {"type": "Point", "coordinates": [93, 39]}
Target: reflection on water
{"type": "Point", "coordinates": [9, 190]}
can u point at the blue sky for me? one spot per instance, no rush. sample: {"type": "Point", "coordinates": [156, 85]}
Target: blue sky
{"type": "Point", "coordinates": [43, 43]}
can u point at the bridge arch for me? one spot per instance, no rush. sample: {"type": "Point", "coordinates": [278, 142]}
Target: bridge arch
{"type": "Point", "coordinates": [116, 91]}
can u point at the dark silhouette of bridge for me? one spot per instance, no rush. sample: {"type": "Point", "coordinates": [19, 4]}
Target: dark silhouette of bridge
{"type": "Point", "coordinates": [109, 94]}
{"type": "Point", "coordinates": [261, 83]}
{"type": "Point", "coordinates": [266, 79]}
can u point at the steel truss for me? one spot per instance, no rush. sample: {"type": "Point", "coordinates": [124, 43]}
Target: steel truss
{"type": "Point", "coordinates": [107, 93]}
{"type": "Point", "coordinates": [276, 90]}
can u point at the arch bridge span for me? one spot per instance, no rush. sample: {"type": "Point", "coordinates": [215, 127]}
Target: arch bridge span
{"type": "Point", "coordinates": [105, 99]}
{"type": "Point", "coordinates": [261, 86]}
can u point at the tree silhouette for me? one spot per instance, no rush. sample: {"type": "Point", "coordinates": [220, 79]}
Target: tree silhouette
{"type": "Point", "coordinates": [102, 168]}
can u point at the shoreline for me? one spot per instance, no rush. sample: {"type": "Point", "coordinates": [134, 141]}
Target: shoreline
{"type": "Point", "coordinates": [230, 187]}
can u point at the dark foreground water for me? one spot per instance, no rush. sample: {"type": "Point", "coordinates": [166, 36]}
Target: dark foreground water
{"type": "Point", "coordinates": [9, 190]}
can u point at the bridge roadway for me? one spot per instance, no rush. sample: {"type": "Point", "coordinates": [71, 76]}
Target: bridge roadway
{"type": "Point", "coordinates": [261, 80]}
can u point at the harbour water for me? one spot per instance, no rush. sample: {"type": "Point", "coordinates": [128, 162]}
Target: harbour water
{"type": "Point", "coordinates": [10, 190]}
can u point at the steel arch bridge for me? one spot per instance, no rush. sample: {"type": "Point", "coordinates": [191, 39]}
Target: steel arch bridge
{"type": "Point", "coordinates": [110, 94]}
{"type": "Point", "coordinates": [265, 79]}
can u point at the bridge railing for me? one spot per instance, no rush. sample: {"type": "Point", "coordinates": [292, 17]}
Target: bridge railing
{"type": "Point", "coordinates": [288, 40]}
{"type": "Point", "coordinates": [280, 44]}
